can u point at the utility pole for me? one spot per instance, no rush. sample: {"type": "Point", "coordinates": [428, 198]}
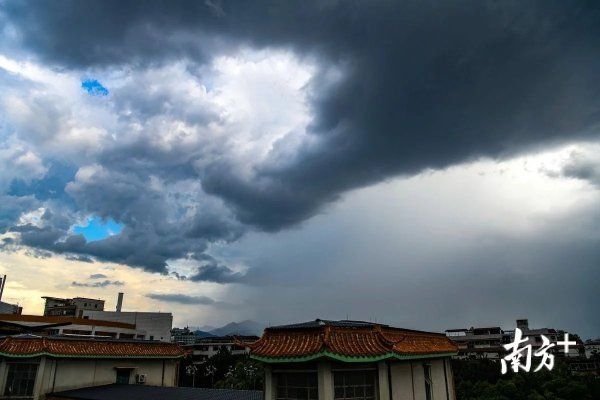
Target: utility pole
{"type": "Point", "coordinates": [2, 286]}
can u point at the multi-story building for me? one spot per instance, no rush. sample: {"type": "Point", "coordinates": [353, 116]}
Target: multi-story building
{"type": "Point", "coordinates": [337, 360]}
{"type": "Point", "coordinates": [592, 348]}
{"type": "Point", "coordinates": [32, 367]}
{"type": "Point", "coordinates": [152, 325]}
{"type": "Point", "coordinates": [74, 307]}
{"type": "Point", "coordinates": [534, 337]}
{"type": "Point", "coordinates": [488, 342]}
{"type": "Point", "coordinates": [205, 348]}
{"type": "Point", "coordinates": [478, 342]}
{"type": "Point", "coordinates": [183, 336]}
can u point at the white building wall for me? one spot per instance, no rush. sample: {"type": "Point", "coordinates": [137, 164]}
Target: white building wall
{"type": "Point", "coordinates": [418, 376]}
{"type": "Point", "coordinates": [438, 380]}
{"type": "Point", "coordinates": [402, 385]}
{"type": "Point", "coordinates": [383, 382]}
{"type": "Point", "coordinates": [65, 374]}
{"type": "Point", "coordinates": [156, 325]}
{"type": "Point", "coordinates": [407, 380]}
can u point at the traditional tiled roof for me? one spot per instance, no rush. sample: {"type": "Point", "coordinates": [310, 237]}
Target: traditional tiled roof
{"type": "Point", "coordinates": [347, 341]}
{"type": "Point", "coordinates": [67, 347]}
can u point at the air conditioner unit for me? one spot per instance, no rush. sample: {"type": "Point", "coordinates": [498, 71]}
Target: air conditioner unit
{"type": "Point", "coordinates": [141, 378]}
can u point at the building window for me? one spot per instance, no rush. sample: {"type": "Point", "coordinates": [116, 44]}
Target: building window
{"type": "Point", "coordinates": [123, 376]}
{"type": "Point", "coordinates": [354, 385]}
{"type": "Point", "coordinates": [20, 380]}
{"type": "Point", "coordinates": [297, 386]}
{"type": "Point", "coordinates": [428, 382]}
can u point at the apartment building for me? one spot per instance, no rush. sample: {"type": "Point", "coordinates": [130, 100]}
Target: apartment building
{"type": "Point", "coordinates": [56, 306]}
{"type": "Point", "coordinates": [484, 342]}
{"type": "Point", "coordinates": [183, 336]}
{"type": "Point", "coordinates": [205, 348]}
{"type": "Point", "coordinates": [487, 342]}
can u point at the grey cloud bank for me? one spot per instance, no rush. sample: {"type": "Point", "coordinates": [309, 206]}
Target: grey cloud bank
{"type": "Point", "coordinates": [182, 299]}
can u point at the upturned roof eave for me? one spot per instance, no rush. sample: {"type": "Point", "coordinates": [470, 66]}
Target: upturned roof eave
{"type": "Point", "coordinates": [103, 356]}
{"type": "Point", "coordinates": [350, 359]}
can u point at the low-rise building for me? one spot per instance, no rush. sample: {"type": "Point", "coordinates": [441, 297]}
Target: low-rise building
{"type": "Point", "coordinates": [156, 325]}
{"type": "Point", "coordinates": [340, 360]}
{"type": "Point", "coordinates": [205, 348]}
{"type": "Point", "coordinates": [7, 308]}
{"type": "Point", "coordinates": [33, 366]}
{"type": "Point", "coordinates": [45, 325]}
{"type": "Point", "coordinates": [56, 306]}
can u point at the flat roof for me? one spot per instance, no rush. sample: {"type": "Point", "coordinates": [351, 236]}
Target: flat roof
{"type": "Point", "coordinates": [71, 298]}
{"type": "Point", "coordinates": [144, 392]}
{"type": "Point", "coordinates": [61, 319]}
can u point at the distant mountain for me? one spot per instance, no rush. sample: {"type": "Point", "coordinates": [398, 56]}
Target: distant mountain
{"type": "Point", "coordinates": [247, 327]}
{"type": "Point", "coordinates": [202, 334]}
{"type": "Point", "coordinates": [206, 328]}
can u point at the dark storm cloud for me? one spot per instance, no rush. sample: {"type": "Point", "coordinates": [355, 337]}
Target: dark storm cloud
{"type": "Point", "coordinates": [51, 186]}
{"type": "Point", "coordinates": [100, 284]}
{"type": "Point", "coordinates": [583, 166]}
{"type": "Point", "coordinates": [182, 299]}
{"type": "Point", "coordinates": [12, 208]}
{"type": "Point", "coordinates": [79, 257]}
{"type": "Point", "coordinates": [399, 87]}
{"type": "Point", "coordinates": [423, 84]}
{"type": "Point", "coordinates": [147, 240]}
{"type": "Point", "coordinates": [36, 253]}
{"type": "Point", "coordinates": [218, 273]}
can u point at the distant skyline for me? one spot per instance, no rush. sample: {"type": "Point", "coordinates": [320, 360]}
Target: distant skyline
{"type": "Point", "coordinates": [430, 165]}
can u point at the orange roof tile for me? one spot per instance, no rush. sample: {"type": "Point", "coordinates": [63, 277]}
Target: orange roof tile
{"type": "Point", "coordinates": [348, 339]}
{"type": "Point", "coordinates": [31, 346]}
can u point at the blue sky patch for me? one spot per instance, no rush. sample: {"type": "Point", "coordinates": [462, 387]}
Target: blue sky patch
{"type": "Point", "coordinates": [94, 88]}
{"type": "Point", "coordinates": [98, 229]}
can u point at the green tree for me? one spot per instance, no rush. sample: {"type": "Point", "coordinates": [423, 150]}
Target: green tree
{"type": "Point", "coordinates": [246, 374]}
{"type": "Point", "coordinates": [481, 380]}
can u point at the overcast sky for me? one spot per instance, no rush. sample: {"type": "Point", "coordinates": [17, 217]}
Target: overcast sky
{"type": "Point", "coordinates": [427, 164]}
